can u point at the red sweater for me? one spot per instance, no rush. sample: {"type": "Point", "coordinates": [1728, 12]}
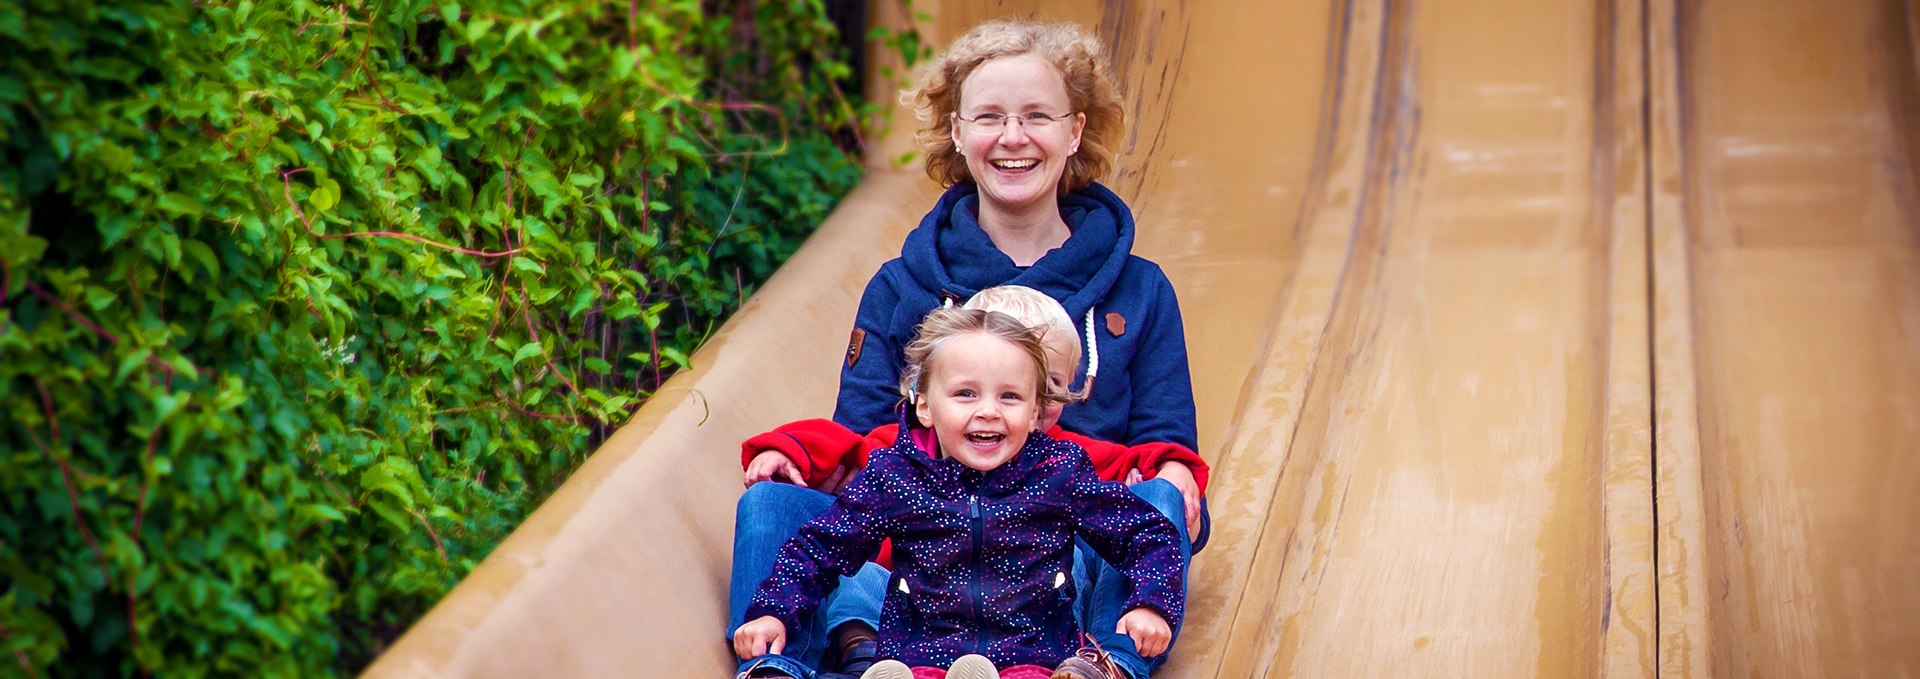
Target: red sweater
{"type": "Point", "coordinates": [821, 447]}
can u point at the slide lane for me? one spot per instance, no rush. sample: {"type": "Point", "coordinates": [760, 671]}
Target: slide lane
{"type": "Point", "coordinates": [1790, 498]}
{"type": "Point", "coordinates": [1450, 457]}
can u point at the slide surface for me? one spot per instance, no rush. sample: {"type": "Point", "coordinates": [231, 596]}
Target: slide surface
{"type": "Point", "coordinates": [1529, 337]}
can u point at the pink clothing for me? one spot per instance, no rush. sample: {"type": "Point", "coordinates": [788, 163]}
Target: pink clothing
{"type": "Point", "coordinates": [1014, 672]}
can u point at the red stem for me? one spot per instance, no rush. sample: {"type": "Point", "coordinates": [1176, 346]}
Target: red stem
{"type": "Point", "coordinates": [66, 474]}
{"type": "Point", "coordinates": [286, 179]}
{"type": "Point", "coordinates": [19, 653]}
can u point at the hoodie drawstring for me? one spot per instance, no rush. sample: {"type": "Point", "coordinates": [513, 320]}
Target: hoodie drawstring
{"type": "Point", "coordinates": [1093, 355]}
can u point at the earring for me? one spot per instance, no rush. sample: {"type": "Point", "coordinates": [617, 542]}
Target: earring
{"type": "Point", "coordinates": [1075, 149]}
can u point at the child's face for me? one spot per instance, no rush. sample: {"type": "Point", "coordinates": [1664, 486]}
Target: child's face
{"type": "Point", "coordinates": [979, 400]}
{"type": "Point", "coordinates": [1063, 359]}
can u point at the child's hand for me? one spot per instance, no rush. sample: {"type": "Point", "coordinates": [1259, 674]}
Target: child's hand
{"type": "Point", "coordinates": [1181, 477]}
{"type": "Point", "coordinates": [771, 463]}
{"type": "Point", "coordinates": [761, 636]}
{"type": "Point", "coordinates": [1150, 632]}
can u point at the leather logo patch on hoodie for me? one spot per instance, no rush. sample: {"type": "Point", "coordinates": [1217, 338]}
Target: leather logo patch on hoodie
{"type": "Point", "coordinates": [1116, 324]}
{"type": "Point", "coordinates": [854, 344]}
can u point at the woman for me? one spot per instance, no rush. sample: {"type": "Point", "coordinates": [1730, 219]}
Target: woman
{"type": "Point", "coordinates": [1020, 119]}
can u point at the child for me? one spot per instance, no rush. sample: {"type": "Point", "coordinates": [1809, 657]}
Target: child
{"type": "Point", "coordinates": [820, 455]}
{"type": "Point", "coordinates": [983, 529]}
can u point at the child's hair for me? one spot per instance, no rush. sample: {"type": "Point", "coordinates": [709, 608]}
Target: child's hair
{"type": "Point", "coordinates": [944, 324]}
{"type": "Point", "coordinates": [1039, 311]}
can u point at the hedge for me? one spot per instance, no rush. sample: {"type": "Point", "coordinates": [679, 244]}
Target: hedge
{"type": "Point", "coordinates": [304, 306]}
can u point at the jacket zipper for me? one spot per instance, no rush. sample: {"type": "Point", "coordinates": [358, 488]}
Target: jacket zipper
{"type": "Point", "coordinates": [979, 526]}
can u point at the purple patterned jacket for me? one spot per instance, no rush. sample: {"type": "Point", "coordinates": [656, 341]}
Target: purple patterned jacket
{"type": "Point", "coordinates": [983, 561]}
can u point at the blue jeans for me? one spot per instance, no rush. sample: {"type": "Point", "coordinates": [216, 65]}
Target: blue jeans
{"type": "Point", "coordinates": [768, 514]}
{"type": "Point", "coordinates": [1102, 589]}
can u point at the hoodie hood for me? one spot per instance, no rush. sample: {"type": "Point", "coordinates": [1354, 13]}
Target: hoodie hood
{"type": "Point", "coordinates": [950, 252]}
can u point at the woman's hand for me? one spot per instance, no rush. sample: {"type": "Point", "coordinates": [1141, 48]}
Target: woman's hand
{"type": "Point", "coordinates": [1181, 477]}
{"type": "Point", "coordinates": [765, 635]}
{"type": "Point", "coordinates": [1150, 632]}
{"type": "Point", "coordinates": [771, 463]}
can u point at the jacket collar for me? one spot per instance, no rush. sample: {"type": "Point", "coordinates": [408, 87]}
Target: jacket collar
{"type": "Point", "coordinates": [949, 252]}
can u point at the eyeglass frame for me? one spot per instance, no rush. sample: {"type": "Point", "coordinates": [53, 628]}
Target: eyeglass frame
{"type": "Point", "coordinates": [1024, 118]}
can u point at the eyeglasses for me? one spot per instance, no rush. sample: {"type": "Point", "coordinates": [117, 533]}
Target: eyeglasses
{"type": "Point", "coordinates": [996, 123]}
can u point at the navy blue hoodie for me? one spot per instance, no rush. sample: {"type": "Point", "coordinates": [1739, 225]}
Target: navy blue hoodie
{"type": "Point", "coordinates": [983, 560]}
{"type": "Point", "coordinates": [1143, 392]}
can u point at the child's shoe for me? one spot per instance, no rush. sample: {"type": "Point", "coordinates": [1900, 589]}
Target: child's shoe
{"type": "Point", "coordinates": [1090, 662]}
{"type": "Point", "coordinates": [855, 658]}
{"type": "Point", "coordinates": [973, 667]}
{"type": "Point", "coordinates": [888, 669]}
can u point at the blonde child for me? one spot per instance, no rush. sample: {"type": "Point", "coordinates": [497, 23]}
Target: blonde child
{"type": "Point", "coordinates": [818, 456]}
{"type": "Point", "coordinates": [983, 512]}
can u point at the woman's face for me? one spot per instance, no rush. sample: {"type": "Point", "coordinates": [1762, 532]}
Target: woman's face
{"type": "Point", "coordinates": [1017, 165]}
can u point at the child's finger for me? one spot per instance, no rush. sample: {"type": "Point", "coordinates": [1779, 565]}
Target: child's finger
{"type": "Point", "coordinates": [793, 474]}
{"type": "Point", "coordinates": [779, 644]}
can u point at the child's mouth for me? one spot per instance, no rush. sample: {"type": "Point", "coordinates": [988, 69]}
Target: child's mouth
{"type": "Point", "coordinates": [985, 439]}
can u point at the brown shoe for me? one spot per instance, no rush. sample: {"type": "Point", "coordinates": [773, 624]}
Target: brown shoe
{"type": "Point", "coordinates": [1078, 668]}
{"type": "Point", "coordinates": [1090, 662]}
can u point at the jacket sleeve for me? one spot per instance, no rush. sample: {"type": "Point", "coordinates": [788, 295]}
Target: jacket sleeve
{"type": "Point", "coordinates": [870, 369]}
{"type": "Point", "coordinates": [1112, 461]}
{"type": "Point", "coordinates": [811, 562]}
{"type": "Point", "coordinates": [818, 447]}
{"type": "Point", "coordinates": [1134, 537]}
{"type": "Point", "coordinates": [1162, 408]}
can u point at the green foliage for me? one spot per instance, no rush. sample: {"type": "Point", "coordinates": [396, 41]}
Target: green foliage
{"type": "Point", "coordinates": [304, 306]}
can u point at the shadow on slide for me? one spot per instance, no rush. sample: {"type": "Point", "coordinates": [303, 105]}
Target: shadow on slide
{"type": "Point", "coordinates": [1529, 337]}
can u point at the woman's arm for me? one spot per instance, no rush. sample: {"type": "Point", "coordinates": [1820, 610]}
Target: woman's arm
{"type": "Point", "coordinates": [870, 367]}
{"type": "Point", "coordinates": [1162, 383]}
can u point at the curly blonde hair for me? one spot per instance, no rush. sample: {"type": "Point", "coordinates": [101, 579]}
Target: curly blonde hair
{"type": "Point", "coordinates": [1074, 52]}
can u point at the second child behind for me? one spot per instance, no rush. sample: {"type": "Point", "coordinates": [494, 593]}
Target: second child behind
{"type": "Point", "coordinates": [983, 512]}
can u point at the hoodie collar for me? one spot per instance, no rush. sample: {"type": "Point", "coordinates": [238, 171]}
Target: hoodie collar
{"type": "Point", "coordinates": [950, 252]}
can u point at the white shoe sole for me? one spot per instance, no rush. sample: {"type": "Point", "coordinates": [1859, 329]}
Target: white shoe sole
{"type": "Point", "coordinates": [888, 669]}
{"type": "Point", "coordinates": [973, 667]}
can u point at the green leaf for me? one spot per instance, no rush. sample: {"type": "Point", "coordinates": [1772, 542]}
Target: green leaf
{"type": "Point", "coordinates": [181, 204]}
{"type": "Point", "coordinates": [325, 195]}
{"type": "Point", "coordinates": [526, 351]}
{"type": "Point", "coordinates": [202, 254]}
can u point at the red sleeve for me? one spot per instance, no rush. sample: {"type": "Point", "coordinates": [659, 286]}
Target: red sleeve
{"type": "Point", "coordinates": [1112, 461]}
{"type": "Point", "coordinates": [818, 447]}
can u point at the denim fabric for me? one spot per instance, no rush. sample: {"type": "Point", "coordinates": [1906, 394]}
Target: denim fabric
{"type": "Point", "coordinates": [768, 514]}
{"type": "Point", "coordinates": [1102, 590]}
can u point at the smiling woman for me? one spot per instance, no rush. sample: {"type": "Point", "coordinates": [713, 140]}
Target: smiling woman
{"type": "Point", "coordinates": [1019, 120]}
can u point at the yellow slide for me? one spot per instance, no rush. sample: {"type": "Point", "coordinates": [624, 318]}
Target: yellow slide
{"type": "Point", "coordinates": [1557, 338]}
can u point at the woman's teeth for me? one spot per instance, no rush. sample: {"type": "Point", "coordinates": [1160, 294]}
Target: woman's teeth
{"type": "Point", "coordinates": [1015, 164]}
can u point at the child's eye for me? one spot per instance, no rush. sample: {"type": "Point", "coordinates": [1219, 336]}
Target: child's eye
{"type": "Point", "coordinates": [1012, 396]}
{"type": "Point", "coordinates": [963, 393]}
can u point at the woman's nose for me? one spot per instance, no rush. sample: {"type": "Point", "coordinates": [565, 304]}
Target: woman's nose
{"type": "Point", "coordinates": [1015, 133]}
